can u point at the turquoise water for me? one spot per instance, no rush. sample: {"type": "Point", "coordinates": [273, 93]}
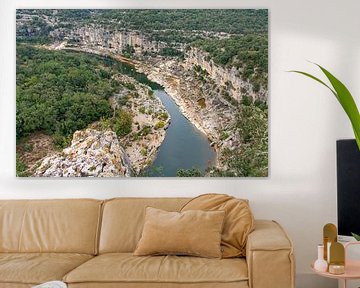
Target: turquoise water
{"type": "Point", "coordinates": [184, 146]}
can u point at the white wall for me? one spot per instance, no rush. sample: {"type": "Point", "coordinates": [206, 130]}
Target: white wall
{"type": "Point", "coordinates": [305, 120]}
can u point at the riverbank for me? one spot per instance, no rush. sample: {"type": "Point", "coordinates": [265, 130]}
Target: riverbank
{"type": "Point", "coordinates": [179, 90]}
{"type": "Point", "coordinates": [171, 84]}
{"type": "Point", "coordinates": [149, 122]}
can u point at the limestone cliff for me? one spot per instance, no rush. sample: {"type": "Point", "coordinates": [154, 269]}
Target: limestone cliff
{"type": "Point", "coordinates": [101, 40]}
{"type": "Point", "coordinates": [201, 101]}
{"type": "Point", "coordinates": [115, 41]}
{"type": "Point", "coordinates": [224, 76]}
{"type": "Point", "coordinates": [92, 153]}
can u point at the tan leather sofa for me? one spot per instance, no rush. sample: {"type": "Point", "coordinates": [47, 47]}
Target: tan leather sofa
{"type": "Point", "coordinates": [89, 243]}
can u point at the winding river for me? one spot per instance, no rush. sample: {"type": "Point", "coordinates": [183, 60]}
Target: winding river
{"type": "Point", "coordinates": [184, 146]}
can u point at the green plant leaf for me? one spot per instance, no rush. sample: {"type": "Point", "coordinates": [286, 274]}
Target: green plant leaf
{"type": "Point", "coordinates": [344, 97]}
{"type": "Point", "coordinates": [356, 236]}
{"type": "Point", "coordinates": [346, 100]}
{"type": "Point", "coordinates": [316, 79]}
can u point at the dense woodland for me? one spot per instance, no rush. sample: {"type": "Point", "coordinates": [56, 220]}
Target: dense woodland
{"type": "Point", "coordinates": [61, 92]}
{"type": "Point", "coordinates": [234, 21]}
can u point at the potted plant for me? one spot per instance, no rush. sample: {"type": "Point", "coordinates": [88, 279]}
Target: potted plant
{"type": "Point", "coordinates": [346, 100]}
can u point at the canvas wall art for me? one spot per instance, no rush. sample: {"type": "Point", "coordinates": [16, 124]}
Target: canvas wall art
{"type": "Point", "coordinates": [142, 93]}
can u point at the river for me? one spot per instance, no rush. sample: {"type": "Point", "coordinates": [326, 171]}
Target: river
{"type": "Point", "coordinates": [184, 146]}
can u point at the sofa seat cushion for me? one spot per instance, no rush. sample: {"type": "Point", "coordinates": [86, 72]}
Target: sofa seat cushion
{"type": "Point", "coordinates": [36, 268]}
{"type": "Point", "coordinates": [127, 268]}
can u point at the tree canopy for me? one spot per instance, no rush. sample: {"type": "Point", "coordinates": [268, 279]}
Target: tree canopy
{"type": "Point", "coordinates": [60, 92]}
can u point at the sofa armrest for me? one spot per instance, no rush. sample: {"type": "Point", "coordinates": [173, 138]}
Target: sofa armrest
{"type": "Point", "coordinates": [269, 255]}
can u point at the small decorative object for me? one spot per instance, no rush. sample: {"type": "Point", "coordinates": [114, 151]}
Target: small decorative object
{"type": "Point", "coordinates": [337, 258]}
{"type": "Point", "coordinates": [336, 269]}
{"type": "Point", "coordinates": [330, 236]}
{"type": "Point", "coordinates": [328, 252]}
{"type": "Point", "coordinates": [320, 264]}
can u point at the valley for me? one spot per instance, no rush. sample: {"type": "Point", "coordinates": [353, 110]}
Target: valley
{"type": "Point", "coordinates": [229, 109]}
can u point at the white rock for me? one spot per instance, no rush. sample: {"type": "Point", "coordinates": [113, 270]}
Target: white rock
{"type": "Point", "coordinates": [92, 153]}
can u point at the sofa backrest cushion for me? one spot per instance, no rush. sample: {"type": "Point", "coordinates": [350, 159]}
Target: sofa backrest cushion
{"type": "Point", "coordinates": [123, 220]}
{"type": "Point", "coordinates": [239, 220]}
{"type": "Point", "coordinates": [64, 226]}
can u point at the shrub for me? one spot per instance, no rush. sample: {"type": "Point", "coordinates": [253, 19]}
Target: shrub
{"type": "Point", "coordinates": [164, 116]}
{"type": "Point", "coordinates": [193, 172]}
{"type": "Point", "coordinates": [20, 168]}
{"type": "Point", "coordinates": [159, 125]}
{"type": "Point", "coordinates": [122, 123]}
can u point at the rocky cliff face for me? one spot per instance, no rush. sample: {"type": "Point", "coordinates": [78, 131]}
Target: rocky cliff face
{"type": "Point", "coordinates": [199, 99]}
{"type": "Point", "coordinates": [103, 40]}
{"type": "Point", "coordinates": [92, 154]}
{"type": "Point", "coordinates": [222, 76]}
{"type": "Point", "coordinates": [109, 40]}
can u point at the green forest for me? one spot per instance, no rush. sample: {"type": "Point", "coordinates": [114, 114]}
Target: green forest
{"type": "Point", "coordinates": [61, 92]}
{"type": "Point", "coordinates": [234, 21]}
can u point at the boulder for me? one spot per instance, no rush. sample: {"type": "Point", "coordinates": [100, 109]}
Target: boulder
{"type": "Point", "coordinates": [92, 153]}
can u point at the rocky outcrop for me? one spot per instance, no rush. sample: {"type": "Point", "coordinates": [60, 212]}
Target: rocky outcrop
{"type": "Point", "coordinates": [198, 100]}
{"type": "Point", "coordinates": [114, 41]}
{"type": "Point", "coordinates": [150, 120]}
{"type": "Point", "coordinates": [92, 154]}
{"type": "Point", "coordinates": [223, 76]}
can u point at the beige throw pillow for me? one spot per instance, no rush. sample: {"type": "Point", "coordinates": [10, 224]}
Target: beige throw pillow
{"type": "Point", "coordinates": [196, 233]}
{"type": "Point", "coordinates": [239, 220]}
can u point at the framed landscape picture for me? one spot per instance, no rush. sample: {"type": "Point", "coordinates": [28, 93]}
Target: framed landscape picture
{"type": "Point", "coordinates": [142, 93]}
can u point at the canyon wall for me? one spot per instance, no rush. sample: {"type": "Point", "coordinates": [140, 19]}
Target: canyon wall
{"type": "Point", "coordinates": [112, 40]}
{"type": "Point", "coordinates": [224, 76]}
{"type": "Point", "coordinates": [117, 41]}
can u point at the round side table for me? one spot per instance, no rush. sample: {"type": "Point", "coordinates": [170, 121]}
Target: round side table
{"type": "Point", "coordinates": [352, 269]}
{"type": "Point", "coordinates": [352, 272]}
